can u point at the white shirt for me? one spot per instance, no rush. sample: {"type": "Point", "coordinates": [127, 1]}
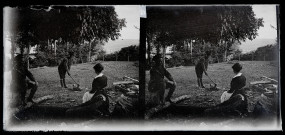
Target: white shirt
{"type": "Point", "coordinates": [237, 75]}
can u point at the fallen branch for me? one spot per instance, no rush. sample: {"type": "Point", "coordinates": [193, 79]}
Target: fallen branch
{"type": "Point", "coordinates": [158, 108]}
{"type": "Point", "coordinates": [135, 80]}
{"type": "Point", "coordinates": [123, 82]}
{"type": "Point", "coordinates": [30, 104]}
{"type": "Point", "coordinates": [260, 82]}
{"type": "Point", "coordinates": [270, 79]}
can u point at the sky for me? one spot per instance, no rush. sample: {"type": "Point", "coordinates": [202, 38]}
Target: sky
{"type": "Point", "coordinates": [266, 34]}
{"type": "Point", "coordinates": [268, 13]}
{"type": "Point", "coordinates": [129, 34]}
{"type": "Point", "coordinates": [132, 15]}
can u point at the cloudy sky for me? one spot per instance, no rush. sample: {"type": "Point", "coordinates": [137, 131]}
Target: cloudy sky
{"type": "Point", "coordinates": [268, 13]}
{"type": "Point", "coordinates": [129, 34]}
{"type": "Point", "coordinates": [266, 34]}
{"type": "Point", "coordinates": [132, 15]}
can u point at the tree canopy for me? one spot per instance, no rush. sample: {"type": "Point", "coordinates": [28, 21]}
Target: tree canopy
{"type": "Point", "coordinates": [71, 24]}
{"type": "Point", "coordinates": [221, 26]}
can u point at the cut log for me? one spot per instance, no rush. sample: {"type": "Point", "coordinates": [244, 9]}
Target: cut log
{"type": "Point", "coordinates": [123, 82]}
{"type": "Point", "coordinates": [135, 80]}
{"type": "Point", "coordinates": [30, 104]}
{"type": "Point", "coordinates": [270, 79]}
{"type": "Point", "coordinates": [158, 108]}
{"type": "Point", "coordinates": [260, 82]}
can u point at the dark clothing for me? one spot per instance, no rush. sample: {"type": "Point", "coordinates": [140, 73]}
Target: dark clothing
{"type": "Point", "coordinates": [201, 67]}
{"type": "Point", "coordinates": [19, 76]}
{"type": "Point", "coordinates": [20, 83]}
{"type": "Point", "coordinates": [99, 83]}
{"type": "Point", "coordinates": [98, 105]}
{"type": "Point", "coordinates": [236, 84]}
{"type": "Point", "coordinates": [157, 82]}
{"type": "Point", "coordinates": [64, 67]}
{"type": "Point", "coordinates": [236, 105]}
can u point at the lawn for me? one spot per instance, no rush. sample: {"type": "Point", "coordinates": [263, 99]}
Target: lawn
{"type": "Point", "coordinates": [221, 73]}
{"type": "Point", "coordinates": [83, 74]}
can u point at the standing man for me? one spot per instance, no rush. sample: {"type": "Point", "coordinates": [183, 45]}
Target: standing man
{"type": "Point", "coordinates": [201, 67]}
{"type": "Point", "coordinates": [64, 67]}
{"type": "Point", "coordinates": [20, 73]}
{"type": "Point", "coordinates": [158, 84]}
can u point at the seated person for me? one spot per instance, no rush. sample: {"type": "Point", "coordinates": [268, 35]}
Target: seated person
{"type": "Point", "coordinates": [234, 100]}
{"type": "Point", "coordinates": [20, 83]}
{"type": "Point", "coordinates": [158, 83]}
{"type": "Point", "coordinates": [95, 102]}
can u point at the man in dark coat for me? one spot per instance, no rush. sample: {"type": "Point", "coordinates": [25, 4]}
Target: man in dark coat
{"type": "Point", "coordinates": [20, 84]}
{"type": "Point", "coordinates": [63, 68]}
{"type": "Point", "coordinates": [95, 102]}
{"type": "Point", "coordinates": [158, 84]}
{"type": "Point", "coordinates": [201, 67]}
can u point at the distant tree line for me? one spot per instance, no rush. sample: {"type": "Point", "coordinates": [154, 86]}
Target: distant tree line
{"type": "Point", "coordinates": [130, 53]}
{"type": "Point", "coordinates": [266, 53]}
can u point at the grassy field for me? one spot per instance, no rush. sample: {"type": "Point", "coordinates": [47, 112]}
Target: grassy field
{"type": "Point", "coordinates": [83, 74]}
{"type": "Point", "coordinates": [221, 73]}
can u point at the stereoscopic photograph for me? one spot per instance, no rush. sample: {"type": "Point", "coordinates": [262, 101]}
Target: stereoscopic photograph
{"type": "Point", "coordinates": [212, 67]}
{"type": "Point", "coordinates": [70, 67]}
{"type": "Point", "coordinates": [141, 68]}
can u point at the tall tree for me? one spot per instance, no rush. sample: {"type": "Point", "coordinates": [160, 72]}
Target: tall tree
{"type": "Point", "coordinates": [73, 25]}
{"type": "Point", "coordinates": [220, 26]}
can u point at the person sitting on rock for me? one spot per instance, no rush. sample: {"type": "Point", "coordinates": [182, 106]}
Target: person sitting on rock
{"type": "Point", "coordinates": [158, 84]}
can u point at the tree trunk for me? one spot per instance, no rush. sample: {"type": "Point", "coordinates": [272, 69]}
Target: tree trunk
{"type": "Point", "coordinates": [238, 57]}
{"type": "Point", "coordinates": [28, 53]}
{"type": "Point", "coordinates": [89, 55]}
{"type": "Point", "coordinates": [225, 55]}
{"type": "Point", "coordinates": [263, 57]}
{"type": "Point", "coordinates": [187, 48]}
{"type": "Point", "coordinates": [148, 49]}
{"type": "Point", "coordinates": [163, 55]}
{"type": "Point", "coordinates": [103, 57]}
{"type": "Point", "coordinates": [191, 48]}
{"type": "Point", "coordinates": [158, 49]}
{"type": "Point", "coordinates": [12, 48]}
{"type": "Point", "coordinates": [55, 48]}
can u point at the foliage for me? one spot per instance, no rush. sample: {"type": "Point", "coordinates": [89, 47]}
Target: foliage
{"type": "Point", "coordinates": [130, 53]}
{"type": "Point", "coordinates": [220, 26]}
{"type": "Point", "coordinates": [82, 30]}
